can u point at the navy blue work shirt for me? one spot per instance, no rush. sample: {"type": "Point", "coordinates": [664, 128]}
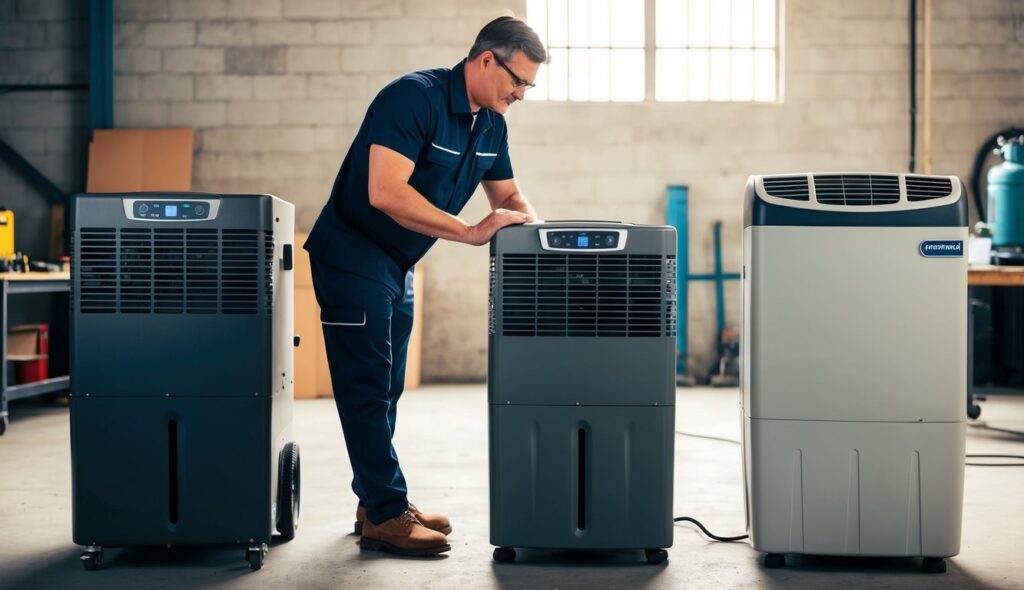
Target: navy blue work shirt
{"type": "Point", "coordinates": [424, 116]}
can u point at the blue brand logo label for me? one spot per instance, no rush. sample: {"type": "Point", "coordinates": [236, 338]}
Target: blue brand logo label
{"type": "Point", "coordinates": [942, 248]}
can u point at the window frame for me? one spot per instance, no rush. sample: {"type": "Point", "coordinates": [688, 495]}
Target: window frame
{"type": "Point", "coordinates": [650, 49]}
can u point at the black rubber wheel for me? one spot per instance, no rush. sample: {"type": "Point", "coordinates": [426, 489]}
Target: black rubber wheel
{"type": "Point", "coordinates": [933, 565]}
{"type": "Point", "coordinates": [3, 425]}
{"type": "Point", "coordinates": [289, 489]}
{"type": "Point", "coordinates": [973, 411]}
{"type": "Point", "coordinates": [91, 560]}
{"type": "Point", "coordinates": [774, 560]}
{"type": "Point", "coordinates": [656, 556]}
{"type": "Point", "coordinates": [255, 555]}
{"type": "Point", "coordinates": [504, 554]}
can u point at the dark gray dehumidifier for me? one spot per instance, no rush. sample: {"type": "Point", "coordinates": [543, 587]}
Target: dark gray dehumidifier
{"type": "Point", "coordinates": [581, 387]}
{"type": "Point", "coordinates": [181, 372]}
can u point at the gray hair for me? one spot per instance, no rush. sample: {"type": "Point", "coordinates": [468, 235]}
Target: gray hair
{"type": "Point", "coordinates": [505, 35]}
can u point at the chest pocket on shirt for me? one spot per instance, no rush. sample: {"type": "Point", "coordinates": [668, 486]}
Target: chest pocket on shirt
{"type": "Point", "coordinates": [485, 160]}
{"type": "Point", "coordinates": [435, 178]}
{"type": "Point", "coordinates": [443, 156]}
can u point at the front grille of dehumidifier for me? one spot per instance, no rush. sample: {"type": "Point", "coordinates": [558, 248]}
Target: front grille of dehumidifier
{"type": "Point", "coordinates": [173, 270]}
{"type": "Point", "coordinates": [923, 188]}
{"type": "Point", "coordinates": [857, 189]}
{"type": "Point", "coordinates": [628, 295]}
{"type": "Point", "coordinates": [793, 188]}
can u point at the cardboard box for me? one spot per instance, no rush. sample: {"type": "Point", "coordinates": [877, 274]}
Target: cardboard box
{"type": "Point", "coordinates": [28, 342]}
{"type": "Point", "coordinates": [129, 160]}
{"type": "Point", "coordinates": [312, 375]}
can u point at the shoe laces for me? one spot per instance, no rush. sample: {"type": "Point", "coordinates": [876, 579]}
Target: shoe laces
{"type": "Point", "coordinates": [408, 519]}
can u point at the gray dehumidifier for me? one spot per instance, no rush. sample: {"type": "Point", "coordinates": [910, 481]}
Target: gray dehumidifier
{"type": "Point", "coordinates": [854, 365]}
{"type": "Point", "coordinates": [181, 372]}
{"type": "Point", "coordinates": [581, 387]}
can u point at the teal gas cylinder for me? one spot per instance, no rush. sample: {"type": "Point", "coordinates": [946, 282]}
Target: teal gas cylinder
{"type": "Point", "coordinates": [1006, 194]}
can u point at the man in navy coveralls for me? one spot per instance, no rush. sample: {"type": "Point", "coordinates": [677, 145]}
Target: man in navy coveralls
{"type": "Point", "coordinates": [428, 140]}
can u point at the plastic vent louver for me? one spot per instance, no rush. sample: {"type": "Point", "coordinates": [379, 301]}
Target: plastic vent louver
{"type": "Point", "coordinates": [923, 188]}
{"type": "Point", "coordinates": [173, 270]}
{"type": "Point", "coordinates": [626, 295]}
{"type": "Point", "coordinates": [787, 187]}
{"type": "Point", "coordinates": [857, 189]}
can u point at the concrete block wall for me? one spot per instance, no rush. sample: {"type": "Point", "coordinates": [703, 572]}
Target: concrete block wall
{"type": "Point", "coordinates": [42, 42]}
{"type": "Point", "coordinates": [277, 89]}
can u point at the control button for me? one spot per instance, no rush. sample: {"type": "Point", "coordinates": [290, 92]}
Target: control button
{"type": "Point", "coordinates": [200, 209]}
{"type": "Point", "coordinates": [143, 208]}
{"type": "Point", "coordinates": [609, 241]}
{"type": "Point", "coordinates": [556, 241]}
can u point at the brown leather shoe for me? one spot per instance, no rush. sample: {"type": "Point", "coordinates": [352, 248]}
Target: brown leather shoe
{"type": "Point", "coordinates": [436, 522]}
{"type": "Point", "coordinates": [403, 535]}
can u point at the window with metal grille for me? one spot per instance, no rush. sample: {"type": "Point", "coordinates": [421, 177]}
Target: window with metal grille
{"type": "Point", "coordinates": [699, 50]}
{"type": "Point", "coordinates": [716, 50]}
{"type": "Point", "coordinates": [596, 49]}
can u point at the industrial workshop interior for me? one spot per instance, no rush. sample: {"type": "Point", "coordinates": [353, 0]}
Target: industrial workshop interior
{"type": "Point", "coordinates": [540, 294]}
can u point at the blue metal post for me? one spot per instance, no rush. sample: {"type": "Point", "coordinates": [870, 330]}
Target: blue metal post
{"type": "Point", "coordinates": [678, 217]}
{"type": "Point", "coordinates": [719, 283]}
{"type": "Point", "coordinates": [101, 64]}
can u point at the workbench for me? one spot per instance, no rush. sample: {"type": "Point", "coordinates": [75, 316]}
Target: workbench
{"type": "Point", "coordinates": [21, 283]}
{"type": "Point", "coordinates": [986, 275]}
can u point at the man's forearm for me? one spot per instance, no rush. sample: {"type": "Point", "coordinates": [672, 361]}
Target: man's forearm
{"type": "Point", "coordinates": [517, 202]}
{"type": "Point", "coordinates": [413, 211]}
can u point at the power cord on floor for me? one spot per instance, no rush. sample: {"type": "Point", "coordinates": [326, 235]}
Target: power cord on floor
{"type": "Point", "coordinates": [708, 533]}
{"type": "Point", "coordinates": [704, 529]}
{"type": "Point", "coordinates": [708, 437]}
{"type": "Point", "coordinates": [969, 456]}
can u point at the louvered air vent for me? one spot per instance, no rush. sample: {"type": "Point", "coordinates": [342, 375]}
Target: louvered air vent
{"type": "Point", "coordinates": [173, 270]}
{"type": "Point", "coordinates": [923, 188]}
{"type": "Point", "coordinates": [857, 189]}
{"type": "Point", "coordinates": [787, 187]}
{"type": "Point", "coordinates": [587, 295]}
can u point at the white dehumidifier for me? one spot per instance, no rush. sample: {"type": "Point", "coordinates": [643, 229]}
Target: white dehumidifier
{"type": "Point", "coordinates": [854, 365]}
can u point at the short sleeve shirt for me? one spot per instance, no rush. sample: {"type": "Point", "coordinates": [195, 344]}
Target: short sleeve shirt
{"type": "Point", "coordinates": [426, 117]}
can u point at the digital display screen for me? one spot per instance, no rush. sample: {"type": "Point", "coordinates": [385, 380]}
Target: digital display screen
{"type": "Point", "coordinates": [171, 210]}
{"type": "Point", "coordinates": [578, 240]}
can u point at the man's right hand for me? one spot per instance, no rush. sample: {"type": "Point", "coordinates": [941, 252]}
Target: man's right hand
{"type": "Point", "coordinates": [481, 233]}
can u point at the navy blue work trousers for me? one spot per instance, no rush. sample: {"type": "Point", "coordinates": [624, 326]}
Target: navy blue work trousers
{"type": "Point", "coordinates": [366, 327]}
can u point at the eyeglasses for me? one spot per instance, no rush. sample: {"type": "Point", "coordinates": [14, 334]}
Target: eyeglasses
{"type": "Point", "coordinates": [519, 82]}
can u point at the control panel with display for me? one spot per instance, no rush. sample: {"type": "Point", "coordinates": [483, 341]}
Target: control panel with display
{"type": "Point", "coordinates": [583, 239]}
{"type": "Point", "coordinates": [170, 210]}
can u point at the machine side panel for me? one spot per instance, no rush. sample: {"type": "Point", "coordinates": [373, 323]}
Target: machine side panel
{"type": "Point", "coordinates": [854, 324]}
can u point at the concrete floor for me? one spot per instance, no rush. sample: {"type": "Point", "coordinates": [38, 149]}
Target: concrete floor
{"type": "Point", "coordinates": [443, 445]}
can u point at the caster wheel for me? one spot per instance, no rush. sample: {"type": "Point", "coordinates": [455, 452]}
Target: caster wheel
{"type": "Point", "coordinates": [973, 411]}
{"type": "Point", "coordinates": [504, 554]}
{"type": "Point", "coordinates": [933, 565]}
{"type": "Point", "coordinates": [656, 556]}
{"type": "Point", "coordinates": [92, 558]}
{"type": "Point", "coordinates": [774, 560]}
{"type": "Point", "coordinates": [289, 487]}
{"type": "Point", "coordinates": [255, 555]}
{"type": "Point", "coordinates": [3, 425]}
